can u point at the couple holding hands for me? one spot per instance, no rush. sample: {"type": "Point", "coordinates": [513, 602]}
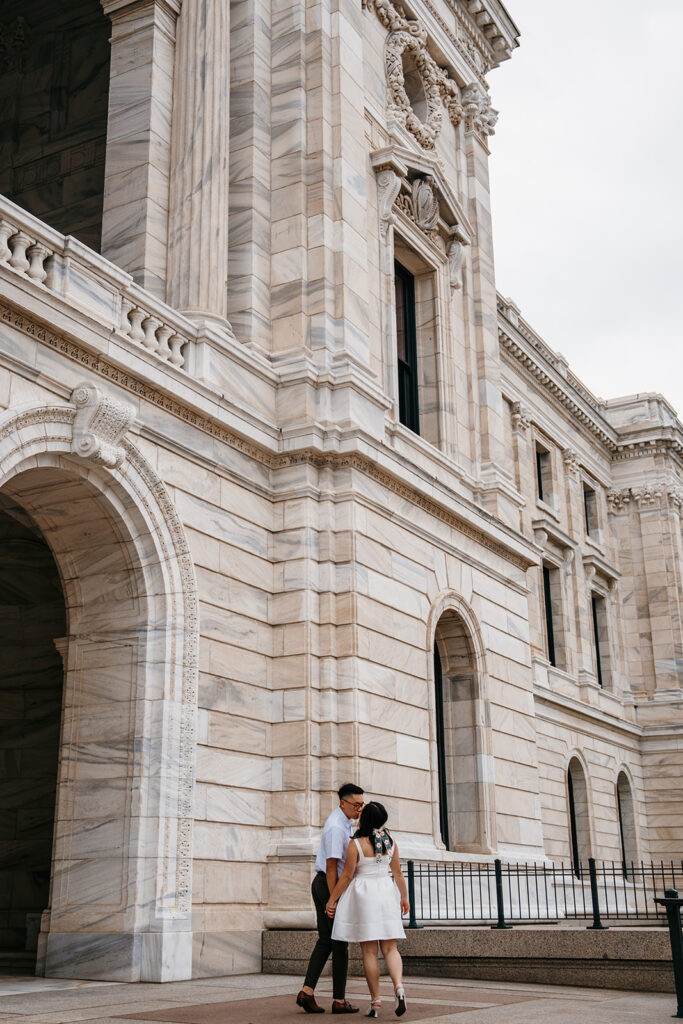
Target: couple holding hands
{"type": "Point", "coordinates": [356, 901]}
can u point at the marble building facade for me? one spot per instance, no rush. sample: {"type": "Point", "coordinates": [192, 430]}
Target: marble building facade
{"type": "Point", "coordinates": [289, 494]}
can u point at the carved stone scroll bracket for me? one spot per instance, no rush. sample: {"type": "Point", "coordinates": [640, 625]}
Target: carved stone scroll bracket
{"type": "Point", "coordinates": [568, 562]}
{"type": "Point", "coordinates": [388, 188]}
{"type": "Point", "coordinates": [100, 425]}
{"type": "Point", "coordinates": [456, 256]}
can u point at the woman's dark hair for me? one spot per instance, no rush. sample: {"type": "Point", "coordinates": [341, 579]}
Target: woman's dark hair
{"type": "Point", "coordinates": [372, 816]}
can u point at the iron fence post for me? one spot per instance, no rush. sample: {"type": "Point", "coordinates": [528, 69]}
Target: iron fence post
{"type": "Point", "coordinates": [672, 905]}
{"type": "Point", "coordinates": [499, 897]}
{"type": "Point", "coordinates": [412, 920]}
{"type": "Point", "coordinates": [595, 899]}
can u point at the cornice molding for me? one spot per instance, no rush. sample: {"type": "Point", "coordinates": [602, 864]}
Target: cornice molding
{"type": "Point", "coordinates": [517, 553]}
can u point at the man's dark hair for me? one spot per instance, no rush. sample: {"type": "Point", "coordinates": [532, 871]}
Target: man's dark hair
{"type": "Point", "coordinates": [349, 789]}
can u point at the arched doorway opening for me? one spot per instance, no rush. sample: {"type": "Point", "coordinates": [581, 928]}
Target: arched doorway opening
{"type": "Point", "coordinates": [464, 789]}
{"type": "Point", "coordinates": [32, 618]}
{"type": "Point", "coordinates": [54, 89]}
{"type": "Point", "coordinates": [628, 839]}
{"type": "Point", "coordinates": [579, 818]}
{"type": "Point", "coordinates": [119, 906]}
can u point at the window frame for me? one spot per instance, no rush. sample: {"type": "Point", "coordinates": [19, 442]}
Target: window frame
{"type": "Point", "coordinates": [408, 370]}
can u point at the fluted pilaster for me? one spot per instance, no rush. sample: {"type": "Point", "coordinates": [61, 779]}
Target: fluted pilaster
{"type": "Point", "coordinates": [198, 216]}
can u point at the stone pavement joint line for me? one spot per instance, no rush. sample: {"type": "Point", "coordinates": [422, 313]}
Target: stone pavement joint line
{"type": "Point", "coordinates": [270, 999]}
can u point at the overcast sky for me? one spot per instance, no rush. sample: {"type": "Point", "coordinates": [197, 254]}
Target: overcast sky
{"type": "Point", "coordinates": [587, 186]}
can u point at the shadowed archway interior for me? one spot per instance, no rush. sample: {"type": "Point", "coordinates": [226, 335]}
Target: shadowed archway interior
{"type": "Point", "coordinates": [32, 617]}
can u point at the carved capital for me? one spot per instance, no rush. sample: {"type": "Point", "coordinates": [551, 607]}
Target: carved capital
{"type": "Point", "coordinates": [480, 116]}
{"type": "Point", "coordinates": [571, 461]}
{"type": "Point", "coordinates": [99, 425]}
{"type": "Point", "coordinates": [649, 495]}
{"type": "Point", "coordinates": [618, 500]}
{"type": "Point", "coordinates": [521, 418]}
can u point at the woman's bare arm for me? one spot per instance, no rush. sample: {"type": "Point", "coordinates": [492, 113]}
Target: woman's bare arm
{"type": "Point", "coordinates": [344, 879]}
{"type": "Point", "coordinates": [395, 865]}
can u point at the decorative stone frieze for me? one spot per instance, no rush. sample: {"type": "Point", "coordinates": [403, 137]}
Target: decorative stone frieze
{"type": "Point", "coordinates": [99, 426]}
{"type": "Point", "coordinates": [649, 495]}
{"type": "Point", "coordinates": [408, 36]}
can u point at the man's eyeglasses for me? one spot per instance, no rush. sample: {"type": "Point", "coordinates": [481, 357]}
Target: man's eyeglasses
{"type": "Point", "coordinates": [357, 806]}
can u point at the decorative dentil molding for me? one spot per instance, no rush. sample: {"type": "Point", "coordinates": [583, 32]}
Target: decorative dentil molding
{"type": "Point", "coordinates": [408, 36]}
{"type": "Point", "coordinates": [99, 426]}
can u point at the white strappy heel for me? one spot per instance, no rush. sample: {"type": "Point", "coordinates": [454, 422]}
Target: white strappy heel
{"type": "Point", "coordinates": [401, 1002]}
{"type": "Point", "coordinates": [373, 1010]}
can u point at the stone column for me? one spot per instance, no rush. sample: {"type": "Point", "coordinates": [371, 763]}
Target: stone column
{"type": "Point", "coordinates": [198, 199]}
{"type": "Point", "coordinates": [135, 208]}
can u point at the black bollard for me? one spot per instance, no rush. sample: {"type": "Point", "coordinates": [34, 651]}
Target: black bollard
{"type": "Point", "coordinates": [412, 920]}
{"type": "Point", "coordinates": [672, 904]}
{"type": "Point", "coordinates": [597, 923]}
{"type": "Point", "coordinates": [499, 897]}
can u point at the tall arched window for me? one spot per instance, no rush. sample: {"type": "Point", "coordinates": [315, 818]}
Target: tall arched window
{"type": "Point", "coordinates": [627, 822]}
{"type": "Point", "coordinates": [579, 821]}
{"type": "Point", "coordinates": [464, 802]}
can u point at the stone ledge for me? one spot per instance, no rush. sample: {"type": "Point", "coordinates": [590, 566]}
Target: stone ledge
{"type": "Point", "coordinates": [636, 959]}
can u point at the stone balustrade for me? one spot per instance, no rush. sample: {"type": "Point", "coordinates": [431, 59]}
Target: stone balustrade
{"type": "Point", "coordinates": [67, 268]}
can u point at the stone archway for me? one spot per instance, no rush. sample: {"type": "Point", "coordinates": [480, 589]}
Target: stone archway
{"type": "Point", "coordinates": [120, 894]}
{"type": "Point", "coordinates": [578, 812]}
{"type": "Point", "coordinates": [464, 792]}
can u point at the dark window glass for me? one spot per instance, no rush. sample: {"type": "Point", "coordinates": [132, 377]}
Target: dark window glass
{"type": "Point", "coordinates": [576, 860]}
{"type": "Point", "coordinates": [441, 748]}
{"type": "Point", "coordinates": [406, 348]}
{"type": "Point", "coordinates": [542, 473]}
{"type": "Point", "coordinates": [597, 609]}
{"type": "Point", "coordinates": [550, 634]}
{"type": "Point", "coordinates": [590, 510]}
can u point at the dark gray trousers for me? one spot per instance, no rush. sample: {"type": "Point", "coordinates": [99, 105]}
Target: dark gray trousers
{"type": "Point", "coordinates": [325, 944]}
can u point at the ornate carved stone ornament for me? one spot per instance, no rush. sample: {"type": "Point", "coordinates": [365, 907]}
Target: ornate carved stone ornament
{"type": "Point", "coordinates": [408, 39]}
{"type": "Point", "coordinates": [521, 418]}
{"type": "Point", "coordinates": [415, 186]}
{"type": "Point", "coordinates": [618, 500]}
{"type": "Point", "coordinates": [99, 425]}
{"type": "Point", "coordinates": [571, 461]}
{"type": "Point", "coordinates": [652, 495]}
{"type": "Point", "coordinates": [479, 114]}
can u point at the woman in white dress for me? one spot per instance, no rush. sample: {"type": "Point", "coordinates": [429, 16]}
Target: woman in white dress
{"type": "Point", "coordinates": [367, 905]}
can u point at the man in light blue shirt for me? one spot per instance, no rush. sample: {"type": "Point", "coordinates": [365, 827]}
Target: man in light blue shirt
{"type": "Point", "coordinates": [337, 832]}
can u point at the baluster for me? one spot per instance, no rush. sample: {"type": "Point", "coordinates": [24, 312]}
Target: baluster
{"type": "Point", "coordinates": [164, 349]}
{"type": "Point", "coordinates": [37, 255]}
{"type": "Point", "coordinates": [52, 272]}
{"type": "Point", "coordinates": [127, 308]}
{"type": "Point", "coordinates": [136, 316]}
{"type": "Point", "coordinates": [6, 232]}
{"type": "Point", "coordinates": [149, 339]}
{"type": "Point", "coordinates": [19, 244]}
{"type": "Point", "coordinates": [176, 357]}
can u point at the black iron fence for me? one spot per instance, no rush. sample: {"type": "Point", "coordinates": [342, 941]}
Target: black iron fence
{"type": "Point", "coordinates": [514, 892]}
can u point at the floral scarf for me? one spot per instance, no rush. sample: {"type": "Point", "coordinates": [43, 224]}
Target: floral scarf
{"type": "Point", "coordinates": [382, 842]}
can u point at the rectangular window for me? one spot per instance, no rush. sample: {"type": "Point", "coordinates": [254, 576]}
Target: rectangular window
{"type": "Point", "coordinates": [590, 507]}
{"type": "Point", "coordinates": [543, 475]}
{"type": "Point", "coordinates": [601, 639]}
{"type": "Point", "coordinates": [406, 348]}
{"type": "Point", "coordinates": [549, 622]}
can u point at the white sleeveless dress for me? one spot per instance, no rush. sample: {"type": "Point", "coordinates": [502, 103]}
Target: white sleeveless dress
{"type": "Point", "coordinates": [370, 908]}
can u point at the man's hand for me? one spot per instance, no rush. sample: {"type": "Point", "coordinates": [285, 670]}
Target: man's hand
{"type": "Point", "coordinates": [405, 907]}
{"type": "Point", "coordinates": [330, 907]}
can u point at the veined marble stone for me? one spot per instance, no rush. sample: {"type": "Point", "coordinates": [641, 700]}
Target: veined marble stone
{"type": "Point", "coordinates": [290, 495]}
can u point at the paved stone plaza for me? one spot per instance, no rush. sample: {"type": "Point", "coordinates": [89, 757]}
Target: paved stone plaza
{"type": "Point", "coordinates": [259, 999]}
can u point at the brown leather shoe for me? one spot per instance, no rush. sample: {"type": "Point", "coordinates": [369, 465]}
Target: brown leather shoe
{"type": "Point", "coordinates": [344, 1007]}
{"type": "Point", "coordinates": [308, 1003]}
